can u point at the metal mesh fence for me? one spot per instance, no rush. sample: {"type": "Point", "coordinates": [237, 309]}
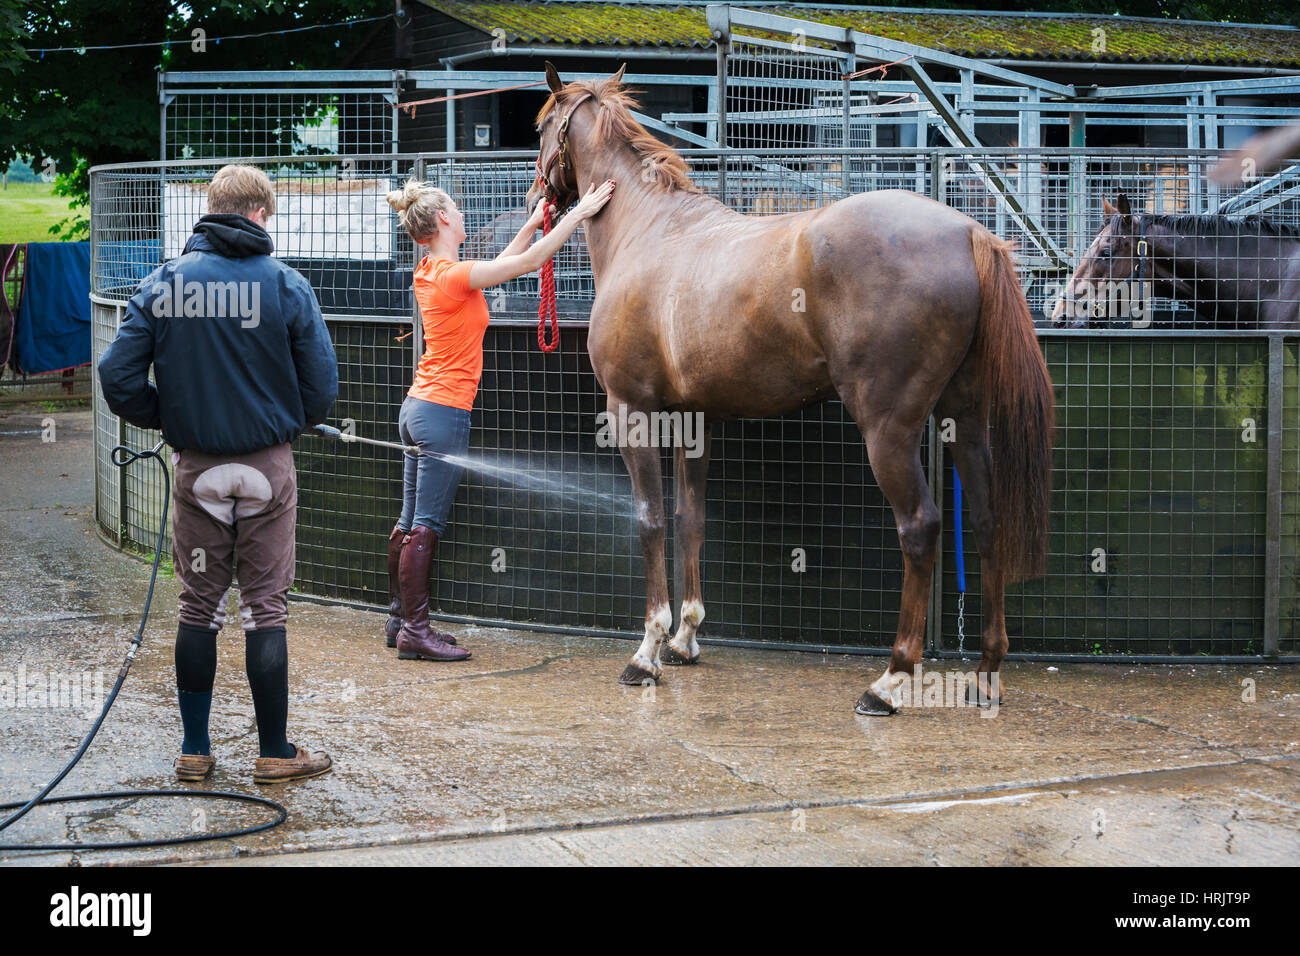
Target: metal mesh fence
{"type": "Point", "coordinates": [491, 195]}
{"type": "Point", "coordinates": [1151, 463]}
{"type": "Point", "coordinates": [1287, 501]}
{"type": "Point", "coordinates": [332, 224]}
{"type": "Point", "coordinates": [47, 386]}
{"type": "Point", "coordinates": [244, 121]}
{"type": "Point", "coordinates": [781, 95]}
{"type": "Point", "coordinates": [1188, 255]}
{"type": "Point", "coordinates": [545, 532]}
{"type": "Point", "coordinates": [1158, 506]}
{"type": "Point", "coordinates": [105, 319]}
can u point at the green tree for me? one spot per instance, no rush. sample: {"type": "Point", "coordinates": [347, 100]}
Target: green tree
{"type": "Point", "coordinates": [81, 107]}
{"type": "Point", "coordinates": [12, 54]}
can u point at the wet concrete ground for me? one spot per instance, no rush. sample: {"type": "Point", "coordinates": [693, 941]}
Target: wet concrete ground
{"type": "Point", "coordinates": [531, 752]}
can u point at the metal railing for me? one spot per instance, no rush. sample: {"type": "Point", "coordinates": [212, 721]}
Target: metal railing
{"type": "Point", "coordinates": [1176, 514]}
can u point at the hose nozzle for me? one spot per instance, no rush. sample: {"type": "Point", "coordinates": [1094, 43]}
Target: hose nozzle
{"type": "Point", "coordinates": [329, 431]}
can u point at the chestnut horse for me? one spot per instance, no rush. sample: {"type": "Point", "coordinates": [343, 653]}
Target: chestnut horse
{"type": "Point", "coordinates": [894, 303]}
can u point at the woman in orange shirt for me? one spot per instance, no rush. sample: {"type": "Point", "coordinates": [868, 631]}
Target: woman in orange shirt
{"type": "Point", "coordinates": [435, 414]}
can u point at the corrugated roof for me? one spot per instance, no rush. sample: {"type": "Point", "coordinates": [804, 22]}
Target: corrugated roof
{"type": "Point", "coordinates": [970, 34]}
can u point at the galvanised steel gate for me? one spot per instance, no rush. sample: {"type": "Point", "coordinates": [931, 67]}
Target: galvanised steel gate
{"type": "Point", "coordinates": [1176, 510]}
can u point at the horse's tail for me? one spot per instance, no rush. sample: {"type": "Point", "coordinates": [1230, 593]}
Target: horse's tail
{"type": "Point", "coordinates": [1021, 411]}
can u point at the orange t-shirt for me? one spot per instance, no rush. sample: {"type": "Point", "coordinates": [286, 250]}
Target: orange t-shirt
{"type": "Point", "coordinates": [455, 318]}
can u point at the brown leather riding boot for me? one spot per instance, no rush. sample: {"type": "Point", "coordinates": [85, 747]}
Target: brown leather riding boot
{"type": "Point", "coordinates": [417, 640]}
{"type": "Point", "coordinates": [396, 538]}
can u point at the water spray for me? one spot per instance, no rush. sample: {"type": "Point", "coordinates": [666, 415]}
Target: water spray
{"type": "Point", "coordinates": [528, 480]}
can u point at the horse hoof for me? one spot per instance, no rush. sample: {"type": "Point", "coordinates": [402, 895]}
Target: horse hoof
{"type": "Point", "coordinates": [668, 655]}
{"type": "Point", "coordinates": [975, 698]}
{"type": "Point", "coordinates": [634, 676]}
{"type": "Point", "coordinates": [873, 705]}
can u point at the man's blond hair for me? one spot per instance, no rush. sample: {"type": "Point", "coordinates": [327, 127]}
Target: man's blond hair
{"type": "Point", "coordinates": [242, 190]}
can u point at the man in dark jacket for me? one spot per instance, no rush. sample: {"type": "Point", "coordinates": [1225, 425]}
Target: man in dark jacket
{"type": "Point", "coordinates": [243, 363]}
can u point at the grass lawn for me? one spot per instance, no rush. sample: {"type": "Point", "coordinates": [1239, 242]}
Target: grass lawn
{"type": "Point", "coordinates": [27, 210]}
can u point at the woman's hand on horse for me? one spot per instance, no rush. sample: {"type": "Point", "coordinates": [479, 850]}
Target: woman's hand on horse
{"type": "Point", "coordinates": [539, 210]}
{"type": "Point", "coordinates": [594, 201]}
{"type": "Point", "coordinates": [505, 268]}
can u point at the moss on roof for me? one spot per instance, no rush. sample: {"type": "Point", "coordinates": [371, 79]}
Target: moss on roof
{"type": "Point", "coordinates": [968, 34]}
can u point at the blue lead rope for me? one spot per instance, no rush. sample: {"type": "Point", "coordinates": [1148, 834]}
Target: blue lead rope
{"type": "Point", "coordinates": [961, 563]}
{"type": "Point", "coordinates": [956, 527]}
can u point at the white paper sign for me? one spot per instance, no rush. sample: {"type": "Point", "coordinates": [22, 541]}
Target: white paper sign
{"type": "Point", "coordinates": [330, 219]}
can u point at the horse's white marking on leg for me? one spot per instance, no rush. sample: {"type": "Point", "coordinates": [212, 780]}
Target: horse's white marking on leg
{"type": "Point", "coordinates": [886, 687]}
{"type": "Point", "coordinates": [656, 632]}
{"type": "Point", "coordinates": [683, 641]}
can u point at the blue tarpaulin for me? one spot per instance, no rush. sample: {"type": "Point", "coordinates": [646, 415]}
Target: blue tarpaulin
{"type": "Point", "coordinates": [124, 264]}
{"type": "Point", "coordinates": [53, 328]}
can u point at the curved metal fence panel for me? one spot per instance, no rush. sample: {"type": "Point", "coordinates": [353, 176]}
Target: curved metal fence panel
{"type": "Point", "coordinates": [1174, 526]}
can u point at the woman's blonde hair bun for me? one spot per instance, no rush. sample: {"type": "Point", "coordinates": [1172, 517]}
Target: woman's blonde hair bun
{"type": "Point", "coordinates": [418, 204]}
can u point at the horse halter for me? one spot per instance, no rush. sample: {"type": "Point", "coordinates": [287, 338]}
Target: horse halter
{"type": "Point", "coordinates": [1142, 251]}
{"type": "Point", "coordinates": [560, 154]}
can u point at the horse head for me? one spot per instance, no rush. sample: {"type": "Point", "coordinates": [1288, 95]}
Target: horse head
{"type": "Point", "coordinates": [1113, 258]}
{"type": "Point", "coordinates": [556, 176]}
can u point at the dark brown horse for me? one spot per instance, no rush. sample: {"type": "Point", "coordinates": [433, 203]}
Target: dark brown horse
{"type": "Point", "coordinates": [896, 304]}
{"type": "Point", "coordinates": [1237, 272]}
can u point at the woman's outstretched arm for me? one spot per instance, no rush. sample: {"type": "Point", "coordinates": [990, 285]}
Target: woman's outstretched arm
{"type": "Point", "coordinates": [525, 235]}
{"type": "Point", "coordinates": [503, 269]}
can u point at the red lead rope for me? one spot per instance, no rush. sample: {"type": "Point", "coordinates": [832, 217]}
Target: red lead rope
{"type": "Point", "coordinates": [548, 293]}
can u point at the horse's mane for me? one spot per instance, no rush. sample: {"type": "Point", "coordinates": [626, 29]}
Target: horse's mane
{"type": "Point", "coordinates": [615, 123]}
{"type": "Point", "coordinates": [1213, 225]}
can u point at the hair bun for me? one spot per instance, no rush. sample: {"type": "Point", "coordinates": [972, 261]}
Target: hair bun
{"type": "Point", "coordinates": [399, 199]}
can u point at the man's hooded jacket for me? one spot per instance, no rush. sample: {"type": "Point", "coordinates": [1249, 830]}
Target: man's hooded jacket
{"type": "Point", "coordinates": [241, 356]}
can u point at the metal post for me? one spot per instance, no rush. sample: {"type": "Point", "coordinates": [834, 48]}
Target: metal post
{"type": "Point", "coordinates": [719, 20]}
{"type": "Point", "coordinates": [1210, 130]}
{"type": "Point", "coordinates": [938, 176]}
{"type": "Point", "coordinates": [162, 115]}
{"type": "Point", "coordinates": [711, 127]}
{"type": "Point", "coordinates": [1032, 176]}
{"type": "Point", "coordinates": [1078, 135]}
{"type": "Point", "coordinates": [1209, 120]}
{"type": "Point", "coordinates": [966, 102]}
{"type": "Point", "coordinates": [1078, 200]}
{"type": "Point", "coordinates": [722, 44]}
{"type": "Point", "coordinates": [397, 96]}
{"type": "Point", "coordinates": [922, 135]}
{"type": "Point", "coordinates": [417, 320]}
{"type": "Point", "coordinates": [451, 120]}
{"type": "Point", "coordinates": [94, 252]}
{"type": "Point", "coordinates": [1273, 520]}
{"type": "Point", "coordinates": [1194, 190]}
{"type": "Point", "coordinates": [846, 119]}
